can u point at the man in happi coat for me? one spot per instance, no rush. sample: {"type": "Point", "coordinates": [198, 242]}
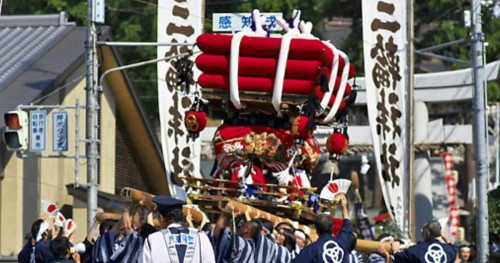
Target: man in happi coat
{"type": "Point", "coordinates": [175, 243]}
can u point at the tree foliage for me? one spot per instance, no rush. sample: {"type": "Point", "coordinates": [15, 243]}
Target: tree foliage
{"type": "Point", "coordinates": [436, 22]}
{"type": "Point", "coordinates": [494, 215]}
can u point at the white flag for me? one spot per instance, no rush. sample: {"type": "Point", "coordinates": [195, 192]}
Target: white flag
{"type": "Point", "coordinates": [178, 22]}
{"type": "Point", "coordinates": [385, 47]}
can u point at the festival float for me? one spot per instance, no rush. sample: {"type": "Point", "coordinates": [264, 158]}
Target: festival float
{"type": "Point", "coordinates": [271, 94]}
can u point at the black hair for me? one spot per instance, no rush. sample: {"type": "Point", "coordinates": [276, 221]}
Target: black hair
{"type": "Point", "coordinates": [431, 229]}
{"type": "Point", "coordinates": [324, 224]}
{"type": "Point", "coordinates": [145, 230]}
{"type": "Point", "coordinates": [240, 222]}
{"type": "Point", "coordinates": [290, 239]}
{"type": "Point", "coordinates": [60, 247]}
{"type": "Point", "coordinates": [173, 216]}
{"type": "Point", "coordinates": [60, 233]}
{"type": "Point", "coordinates": [206, 227]}
{"type": "Point", "coordinates": [142, 210]}
{"type": "Point", "coordinates": [105, 226]}
{"type": "Point", "coordinates": [35, 228]}
{"type": "Point", "coordinates": [266, 224]}
{"type": "Point", "coordinates": [278, 226]}
{"type": "Point", "coordinates": [255, 229]}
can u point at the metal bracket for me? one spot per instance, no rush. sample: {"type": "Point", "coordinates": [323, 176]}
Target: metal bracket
{"type": "Point", "coordinates": [36, 155]}
{"type": "Point", "coordinates": [89, 141]}
{"type": "Point", "coordinates": [444, 45]}
{"type": "Point", "coordinates": [444, 58]}
{"type": "Point", "coordinates": [427, 52]}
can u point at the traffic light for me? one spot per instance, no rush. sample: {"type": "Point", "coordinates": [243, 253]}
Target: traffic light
{"type": "Point", "coordinates": [16, 130]}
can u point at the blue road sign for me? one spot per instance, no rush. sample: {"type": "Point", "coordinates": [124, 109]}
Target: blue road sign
{"type": "Point", "coordinates": [38, 130]}
{"type": "Point", "coordinates": [60, 131]}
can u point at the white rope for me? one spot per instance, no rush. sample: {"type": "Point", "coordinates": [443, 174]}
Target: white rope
{"type": "Point", "coordinates": [340, 93]}
{"type": "Point", "coordinates": [333, 76]}
{"type": "Point", "coordinates": [234, 91]}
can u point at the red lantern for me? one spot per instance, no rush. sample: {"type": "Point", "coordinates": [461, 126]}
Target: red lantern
{"type": "Point", "coordinates": [300, 129]}
{"type": "Point", "coordinates": [337, 144]}
{"type": "Point", "coordinates": [195, 121]}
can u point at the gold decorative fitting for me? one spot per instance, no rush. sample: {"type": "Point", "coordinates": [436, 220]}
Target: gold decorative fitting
{"type": "Point", "coordinates": [192, 123]}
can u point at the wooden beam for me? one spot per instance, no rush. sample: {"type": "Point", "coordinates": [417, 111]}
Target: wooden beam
{"type": "Point", "coordinates": [147, 199]}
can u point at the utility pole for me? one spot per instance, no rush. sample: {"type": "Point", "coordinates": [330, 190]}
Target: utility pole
{"type": "Point", "coordinates": [497, 145]}
{"type": "Point", "coordinates": [92, 126]}
{"type": "Point", "coordinates": [411, 225]}
{"type": "Point", "coordinates": [480, 144]}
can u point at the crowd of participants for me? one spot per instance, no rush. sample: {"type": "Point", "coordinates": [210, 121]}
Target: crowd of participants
{"type": "Point", "coordinates": [235, 237]}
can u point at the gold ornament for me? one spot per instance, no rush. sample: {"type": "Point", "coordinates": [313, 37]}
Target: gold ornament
{"type": "Point", "coordinates": [191, 123]}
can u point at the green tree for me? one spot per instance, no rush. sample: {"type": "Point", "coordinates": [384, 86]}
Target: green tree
{"type": "Point", "coordinates": [493, 222]}
{"type": "Point", "coordinates": [494, 215]}
{"type": "Point", "coordinates": [436, 22]}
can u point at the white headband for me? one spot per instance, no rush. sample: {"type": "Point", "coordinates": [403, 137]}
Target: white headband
{"type": "Point", "coordinates": [300, 234]}
{"type": "Point", "coordinates": [385, 239]}
{"type": "Point", "coordinates": [43, 227]}
{"type": "Point", "coordinates": [465, 249]}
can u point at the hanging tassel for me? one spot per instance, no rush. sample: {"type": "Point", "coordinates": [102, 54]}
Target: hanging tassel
{"type": "Point", "coordinates": [184, 68]}
{"type": "Point", "coordinates": [310, 108]}
{"type": "Point", "coordinates": [323, 82]}
{"type": "Point", "coordinates": [349, 102]}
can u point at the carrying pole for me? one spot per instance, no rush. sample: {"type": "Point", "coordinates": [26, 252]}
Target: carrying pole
{"type": "Point", "coordinates": [480, 130]}
{"type": "Point", "coordinates": [92, 107]}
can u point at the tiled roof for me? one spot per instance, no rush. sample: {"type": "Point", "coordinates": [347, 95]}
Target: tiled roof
{"type": "Point", "coordinates": [34, 51]}
{"type": "Point", "coordinates": [24, 39]}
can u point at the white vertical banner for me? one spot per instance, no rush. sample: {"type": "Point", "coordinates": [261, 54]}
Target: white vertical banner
{"type": "Point", "coordinates": [385, 54]}
{"type": "Point", "coordinates": [178, 22]}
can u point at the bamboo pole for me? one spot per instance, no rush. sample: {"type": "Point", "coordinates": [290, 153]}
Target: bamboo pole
{"type": "Point", "coordinates": [257, 213]}
{"type": "Point", "coordinates": [113, 216]}
{"type": "Point", "coordinates": [210, 180]}
{"type": "Point", "coordinates": [368, 246]}
{"type": "Point", "coordinates": [147, 199]}
{"type": "Point", "coordinates": [116, 216]}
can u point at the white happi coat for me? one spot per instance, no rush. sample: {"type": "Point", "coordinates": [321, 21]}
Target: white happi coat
{"type": "Point", "coordinates": [156, 249]}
